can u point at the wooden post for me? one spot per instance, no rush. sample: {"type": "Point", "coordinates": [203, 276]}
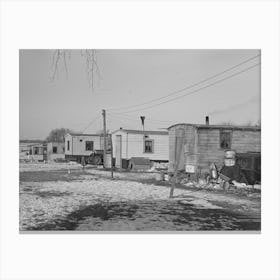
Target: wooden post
{"type": "Point", "coordinates": [179, 143]}
{"type": "Point", "coordinates": [112, 172]}
{"type": "Point", "coordinates": [104, 136]}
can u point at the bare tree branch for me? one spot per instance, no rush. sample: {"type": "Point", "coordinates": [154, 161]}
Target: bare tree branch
{"type": "Point", "coordinates": [89, 55]}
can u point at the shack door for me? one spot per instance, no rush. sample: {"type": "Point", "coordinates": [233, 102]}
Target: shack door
{"type": "Point", "coordinates": [118, 150]}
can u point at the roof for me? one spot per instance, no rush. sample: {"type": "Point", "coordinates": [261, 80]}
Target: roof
{"type": "Point", "coordinates": [81, 134]}
{"type": "Point", "coordinates": [132, 131]}
{"type": "Point", "coordinates": [232, 127]}
{"type": "Point", "coordinates": [34, 145]}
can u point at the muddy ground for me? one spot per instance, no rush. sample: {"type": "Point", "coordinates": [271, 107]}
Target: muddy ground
{"type": "Point", "coordinates": [65, 197]}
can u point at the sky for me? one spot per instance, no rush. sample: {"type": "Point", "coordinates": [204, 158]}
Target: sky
{"type": "Point", "coordinates": [170, 83]}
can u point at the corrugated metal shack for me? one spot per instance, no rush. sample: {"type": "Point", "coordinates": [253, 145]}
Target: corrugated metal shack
{"type": "Point", "coordinates": [205, 144]}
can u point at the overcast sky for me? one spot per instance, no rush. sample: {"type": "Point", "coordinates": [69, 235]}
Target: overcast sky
{"type": "Point", "coordinates": [132, 77]}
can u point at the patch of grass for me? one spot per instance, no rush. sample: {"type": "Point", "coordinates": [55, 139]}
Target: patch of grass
{"type": "Point", "coordinates": [46, 176]}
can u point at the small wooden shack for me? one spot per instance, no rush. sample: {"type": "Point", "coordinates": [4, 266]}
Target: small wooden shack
{"type": "Point", "coordinates": [33, 151]}
{"type": "Point", "coordinates": [203, 144]}
{"type": "Point", "coordinates": [55, 150]}
{"type": "Point", "coordinates": [128, 143]}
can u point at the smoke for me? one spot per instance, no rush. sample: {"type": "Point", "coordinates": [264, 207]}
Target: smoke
{"type": "Point", "coordinates": [233, 107]}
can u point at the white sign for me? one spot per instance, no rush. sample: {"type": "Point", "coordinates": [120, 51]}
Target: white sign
{"type": "Point", "coordinates": [190, 168]}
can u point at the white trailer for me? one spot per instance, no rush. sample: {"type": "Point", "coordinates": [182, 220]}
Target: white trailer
{"type": "Point", "coordinates": [89, 146]}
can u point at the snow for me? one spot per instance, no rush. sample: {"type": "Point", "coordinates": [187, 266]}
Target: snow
{"type": "Point", "coordinates": [47, 202]}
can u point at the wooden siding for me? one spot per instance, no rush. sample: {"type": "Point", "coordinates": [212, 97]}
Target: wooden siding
{"type": "Point", "coordinates": [78, 144]}
{"type": "Point", "coordinates": [133, 145]}
{"type": "Point", "coordinates": [189, 150]}
{"type": "Point", "coordinates": [202, 145]}
{"type": "Point", "coordinates": [209, 150]}
{"type": "Point", "coordinates": [60, 150]}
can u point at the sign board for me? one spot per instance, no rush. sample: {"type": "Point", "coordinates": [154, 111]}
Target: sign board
{"type": "Point", "coordinates": [190, 168]}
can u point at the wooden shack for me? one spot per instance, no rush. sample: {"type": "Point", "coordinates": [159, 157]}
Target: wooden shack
{"type": "Point", "coordinates": [33, 151]}
{"type": "Point", "coordinates": [205, 144]}
{"type": "Point", "coordinates": [128, 143]}
{"type": "Point", "coordinates": [55, 150]}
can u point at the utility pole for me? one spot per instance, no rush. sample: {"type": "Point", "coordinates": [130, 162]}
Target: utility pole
{"type": "Point", "coordinates": [111, 144]}
{"type": "Point", "coordinates": [104, 137]}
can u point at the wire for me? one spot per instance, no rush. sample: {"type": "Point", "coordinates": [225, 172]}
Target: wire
{"type": "Point", "coordinates": [187, 87]}
{"type": "Point", "coordinates": [124, 117]}
{"type": "Point", "coordinates": [197, 90]}
{"type": "Point", "coordinates": [93, 121]}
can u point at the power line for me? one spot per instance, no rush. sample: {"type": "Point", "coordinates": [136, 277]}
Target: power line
{"type": "Point", "coordinates": [127, 117]}
{"type": "Point", "coordinates": [197, 90]}
{"type": "Point", "coordinates": [93, 121]}
{"type": "Point", "coordinates": [187, 87]}
{"type": "Point", "coordinates": [133, 122]}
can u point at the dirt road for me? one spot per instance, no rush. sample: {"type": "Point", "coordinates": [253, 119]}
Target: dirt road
{"type": "Point", "coordinates": [63, 197]}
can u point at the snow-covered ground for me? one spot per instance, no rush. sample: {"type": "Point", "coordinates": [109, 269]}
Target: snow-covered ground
{"type": "Point", "coordinates": [89, 201]}
{"type": "Point", "coordinates": [37, 166]}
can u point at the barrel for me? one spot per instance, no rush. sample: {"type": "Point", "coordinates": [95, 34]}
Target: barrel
{"type": "Point", "coordinates": [107, 162]}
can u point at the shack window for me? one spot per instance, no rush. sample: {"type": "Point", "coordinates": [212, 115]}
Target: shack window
{"type": "Point", "coordinates": [225, 139]}
{"type": "Point", "coordinates": [89, 145]}
{"type": "Point", "coordinates": [148, 146]}
{"type": "Point", "coordinates": [54, 150]}
{"type": "Point", "coordinates": [68, 145]}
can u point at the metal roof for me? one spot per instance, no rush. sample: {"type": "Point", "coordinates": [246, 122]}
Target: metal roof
{"type": "Point", "coordinates": [232, 127]}
{"type": "Point", "coordinates": [81, 134]}
{"type": "Point", "coordinates": [132, 131]}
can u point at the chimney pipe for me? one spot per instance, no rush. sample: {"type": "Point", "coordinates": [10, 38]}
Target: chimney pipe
{"type": "Point", "coordinates": [143, 121]}
{"type": "Point", "coordinates": [207, 120]}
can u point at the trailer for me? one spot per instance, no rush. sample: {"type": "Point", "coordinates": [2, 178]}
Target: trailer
{"type": "Point", "coordinates": [87, 147]}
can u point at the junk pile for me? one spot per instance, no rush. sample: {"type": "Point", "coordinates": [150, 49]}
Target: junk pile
{"type": "Point", "coordinates": [230, 176]}
{"type": "Point", "coordinates": [231, 173]}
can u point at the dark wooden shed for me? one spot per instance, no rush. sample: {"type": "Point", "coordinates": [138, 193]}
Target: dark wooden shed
{"type": "Point", "coordinates": [205, 144]}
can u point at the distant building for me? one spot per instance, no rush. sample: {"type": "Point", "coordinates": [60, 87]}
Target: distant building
{"type": "Point", "coordinates": [55, 150]}
{"type": "Point", "coordinates": [33, 151]}
{"type": "Point", "coordinates": [129, 143]}
{"type": "Point", "coordinates": [194, 147]}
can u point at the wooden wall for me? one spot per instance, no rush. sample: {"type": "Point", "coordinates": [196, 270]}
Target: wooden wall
{"type": "Point", "coordinates": [60, 150]}
{"type": "Point", "coordinates": [209, 145]}
{"type": "Point", "coordinates": [133, 145]}
{"type": "Point", "coordinates": [202, 145]}
{"type": "Point", "coordinates": [78, 144]}
{"type": "Point", "coordinates": [189, 143]}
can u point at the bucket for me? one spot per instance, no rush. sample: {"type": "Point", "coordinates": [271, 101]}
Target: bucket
{"type": "Point", "coordinates": [230, 154]}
